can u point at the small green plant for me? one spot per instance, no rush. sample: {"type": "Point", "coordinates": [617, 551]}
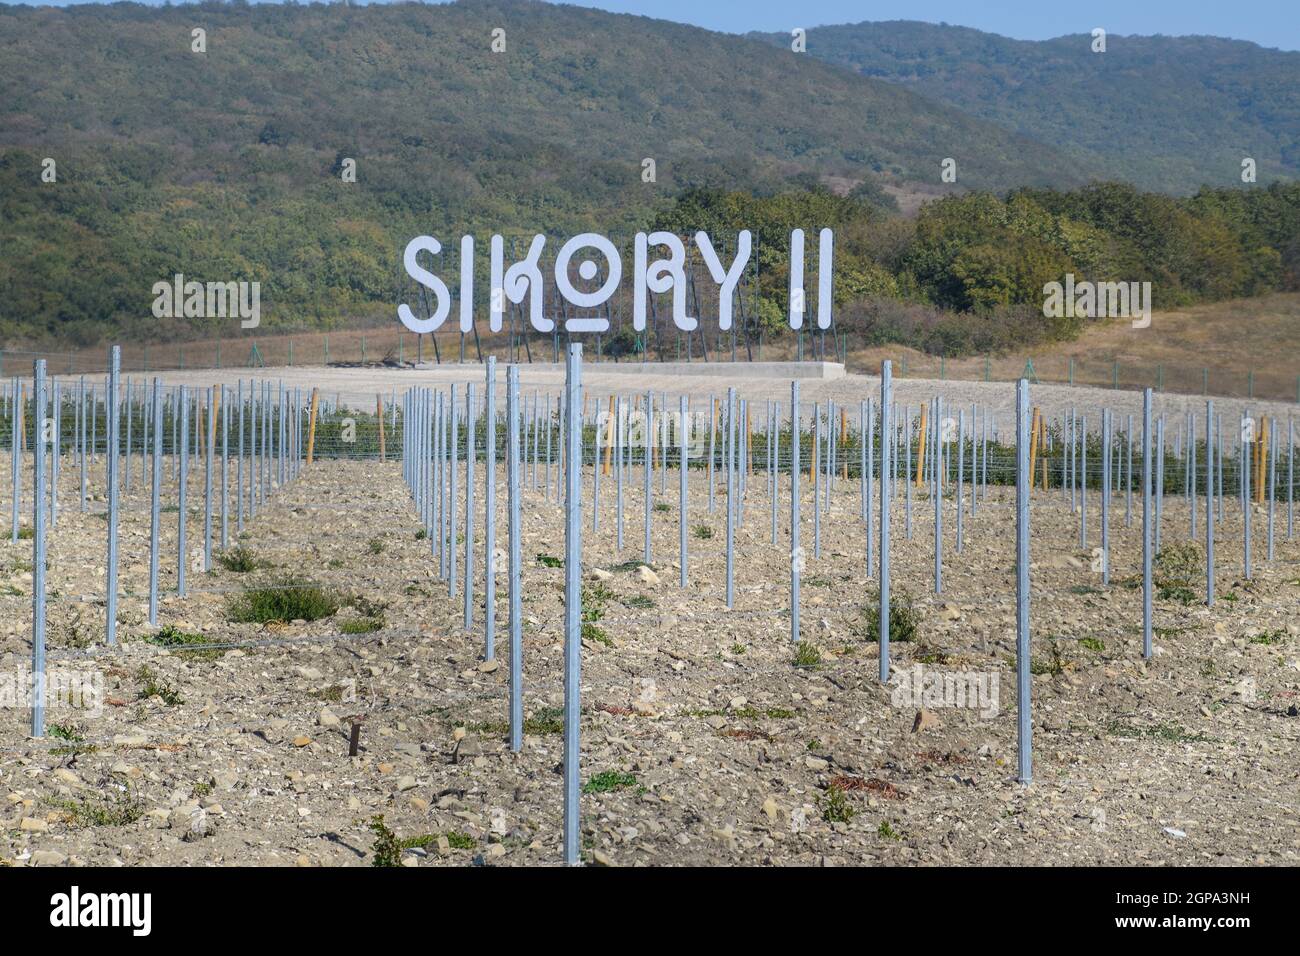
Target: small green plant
{"type": "Point", "coordinates": [608, 780]}
{"type": "Point", "coordinates": [387, 847]}
{"type": "Point", "coordinates": [1176, 571]}
{"type": "Point", "coordinates": [387, 843]}
{"type": "Point", "coordinates": [930, 655]}
{"type": "Point", "coordinates": [375, 545]}
{"type": "Point", "coordinates": [120, 811]}
{"type": "Point", "coordinates": [361, 625]}
{"type": "Point", "coordinates": [638, 602]}
{"type": "Point", "coordinates": [594, 596]}
{"type": "Point", "coordinates": [544, 721]}
{"type": "Point", "coordinates": [806, 654]}
{"type": "Point", "coordinates": [904, 617]}
{"type": "Point", "coordinates": [549, 560]}
{"type": "Point", "coordinates": [737, 648]}
{"type": "Point", "coordinates": [886, 830]}
{"type": "Point", "coordinates": [333, 693]}
{"type": "Point", "coordinates": [1269, 637]}
{"type": "Point", "coordinates": [596, 633]}
{"type": "Point", "coordinates": [76, 741]}
{"type": "Point", "coordinates": [663, 506]}
{"type": "Point", "coordinates": [1171, 733]}
{"type": "Point", "coordinates": [240, 560]}
{"type": "Point", "coordinates": [835, 806]}
{"type": "Point", "coordinates": [1092, 644]}
{"type": "Point", "coordinates": [26, 534]}
{"type": "Point", "coordinates": [421, 534]}
{"type": "Point", "coordinates": [1054, 666]}
{"type": "Point", "coordinates": [185, 644]}
{"type": "Point", "coordinates": [155, 686]}
{"type": "Point", "coordinates": [460, 841]}
{"type": "Point", "coordinates": [702, 531]}
{"type": "Point", "coordinates": [286, 599]}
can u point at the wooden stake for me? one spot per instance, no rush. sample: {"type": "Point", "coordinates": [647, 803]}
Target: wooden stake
{"type": "Point", "coordinates": [1034, 426]}
{"type": "Point", "coordinates": [844, 436]}
{"type": "Point", "coordinates": [311, 427]}
{"type": "Point", "coordinates": [609, 436]}
{"type": "Point", "coordinates": [920, 449]}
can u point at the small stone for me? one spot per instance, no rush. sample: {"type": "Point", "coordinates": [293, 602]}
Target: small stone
{"type": "Point", "coordinates": [646, 576]}
{"type": "Point", "coordinates": [466, 748]}
{"type": "Point", "coordinates": [327, 718]}
{"type": "Point", "coordinates": [406, 782]}
{"type": "Point", "coordinates": [488, 667]}
{"type": "Point", "coordinates": [600, 574]}
{"type": "Point", "coordinates": [772, 809]}
{"type": "Point", "coordinates": [816, 763]}
{"type": "Point", "coordinates": [925, 720]}
{"type": "Point", "coordinates": [33, 825]}
{"type": "Point", "coordinates": [302, 740]}
{"type": "Point", "coordinates": [495, 851]}
{"type": "Point", "coordinates": [130, 740]}
{"type": "Point", "coordinates": [48, 858]}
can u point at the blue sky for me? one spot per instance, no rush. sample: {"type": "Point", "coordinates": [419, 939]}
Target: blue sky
{"type": "Point", "coordinates": [1274, 23]}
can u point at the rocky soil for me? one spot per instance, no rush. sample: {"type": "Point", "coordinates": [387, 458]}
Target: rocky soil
{"type": "Point", "coordinates": [703, 741]}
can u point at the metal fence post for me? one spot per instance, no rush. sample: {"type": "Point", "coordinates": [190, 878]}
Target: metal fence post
{"type": "Point", "coordinates": [886, 454]}
{"type": "Point", "coordinates": [731, 496]}
{"type": "Point", "coordinates": [1146, 523]}
{"type": "Point", "coordinates": [514, 583]}
{"type": "Point", "coordinates": [1209, 503]}
{"type": "Point", "coordinates": [796, 552]}
{"type": "Point", "coordinates": [682, 413]}
{"type": "Point", "coordinates": [155, 503]}
{"type": "Point", "coordinates": [182, 491]}
{"type": "Point", "coordinates": [110, 590]}
{"type": "Point", "coordinates": [210, 439]}
{"type": "Point", "coordinates": [1024, 729]}
{"type": "Point", "coordinates": [38, 550]}
{"type": "Point", "coordinates": [648, 433]}
{"type": "Point", "coordinates": [490, 512]}
{"type": "Point", "coordinates": [471, 453]}
{"type": "Point", "coordinates": [573, 599]}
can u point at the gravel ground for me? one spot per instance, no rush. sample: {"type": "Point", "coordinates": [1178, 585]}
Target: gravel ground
{"type": "Point", "coordinates": [359, 386]}
{"type": "Point", "coordinates": [703, 742]}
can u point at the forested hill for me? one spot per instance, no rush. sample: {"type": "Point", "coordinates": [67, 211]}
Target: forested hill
{"type": "Point", "coordinates": [226, 164]}
{"type": "Point", "coordinates": [1165, 113]}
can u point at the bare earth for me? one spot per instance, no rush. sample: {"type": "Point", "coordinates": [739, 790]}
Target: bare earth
{"type": "Point", "coordinates": [716, 747]}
